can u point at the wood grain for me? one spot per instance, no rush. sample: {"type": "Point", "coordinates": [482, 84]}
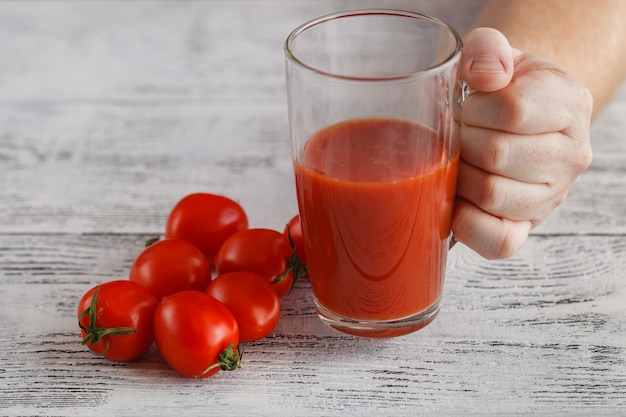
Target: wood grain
{"type": "Point", "coordinates": [120, 168]}
{"type": "Point", "coordinates": [111, 111]}
{"type": "Point", "coordinates": [533, 334]}
{"type": "Point", "coordinates": [107, 124]}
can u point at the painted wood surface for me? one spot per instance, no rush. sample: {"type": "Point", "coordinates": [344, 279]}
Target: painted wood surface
{"type": "Point", "coordinates": [112, 111]}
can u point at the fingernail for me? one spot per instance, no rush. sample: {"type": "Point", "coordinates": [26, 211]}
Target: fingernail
{"type": "Point", "coordinates": [487, 64]}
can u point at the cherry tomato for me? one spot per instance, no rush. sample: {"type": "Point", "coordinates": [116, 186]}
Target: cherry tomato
{"type": "Point", "coordinates": [196, 334]}
{"type": "Point", "coordinates": [206, 221]}
{"type": "Point", "coordinates": [115, 319]}
{"type": "Point", "coordinates": [263, 251]}
{"type": "Point", "coordinates": [294, 230]}
{"type": "Point", "coordinates": [251, 299]}
{"type": "Point", "coordinates": [170, 266]}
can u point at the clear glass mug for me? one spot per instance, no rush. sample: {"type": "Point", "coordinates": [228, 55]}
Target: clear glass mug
{"type": "Point", "coordinates": [371, 98]}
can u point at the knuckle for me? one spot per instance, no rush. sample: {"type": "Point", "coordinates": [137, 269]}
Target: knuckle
{"type": "Point", "coordinates": [490, 194]}
{"type": "Point", "coordinates": [509, 243]}
{"type": "Point", "coordinates": [516, 110]}
{"type": "Point", "coordinates": [558, 200]}
{"type": "Point", "coordinates": [497, 154]}
{"type": "Point", "coordinates": [507, 249]}
{"type": "Point", "coordinates": [581, 153]}
{"type": "Point", "coordinates": [583, 159]}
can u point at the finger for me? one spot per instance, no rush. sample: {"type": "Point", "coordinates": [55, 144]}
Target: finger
{"type": "Point", "coordinates": [489, 236]}
{"type": "Point", "coordinates": [543, 102]}
{"type": "Point", "coordinates": [487, 60]}
{"type": "Point", "coordinates": [528, 158]}
{"type": "Point", "coordinates": [507, 198]}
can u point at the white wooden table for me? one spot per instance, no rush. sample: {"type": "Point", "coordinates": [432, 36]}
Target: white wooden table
{"type": "Point", "coordinates": [110, 112]}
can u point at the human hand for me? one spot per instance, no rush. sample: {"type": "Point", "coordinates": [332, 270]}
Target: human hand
{"type": "Point", "coordinates": [524, 140]}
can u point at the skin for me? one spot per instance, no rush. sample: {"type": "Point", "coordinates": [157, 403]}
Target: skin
{"type": "Point", "coordinates": [587, 38]}
{"type": "Point", "coordinates": [525, 126]}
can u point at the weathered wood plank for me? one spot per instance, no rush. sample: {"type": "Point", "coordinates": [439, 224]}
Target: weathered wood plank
{"type": "Point", "coordinates": [543, 333]}
{"type": "Point", "coordinates": [120, 168]}
{"type": "Point", "coordinates": [107, 124]}
{"type": "Point", "coordinates": [111, 111]}
{"type": "Point", "coordinates": [225, 50]}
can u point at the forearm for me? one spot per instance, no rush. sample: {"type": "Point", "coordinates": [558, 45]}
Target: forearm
{"type": "Point", "coordinates": [585, 37]}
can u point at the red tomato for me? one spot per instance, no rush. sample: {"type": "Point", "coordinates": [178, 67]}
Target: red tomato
{"type": "Point", "coordinates": [196, 334]}
{"type": "Point", "coordinates": [115, 319]}
{"type": "Point", "coordinates": [251, 299]}
{"type": "Point", "coordinates": [293, 230]}
{"type": "Point", "coordinates": [263, 251]}
{"type": "Point", "coordinates": [206, 221]}
{"type": "Point", "coordinates": [170, 266]}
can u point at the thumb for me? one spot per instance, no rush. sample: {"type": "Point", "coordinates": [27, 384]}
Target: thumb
{"type": "Point", "coordinates": [487, 60]}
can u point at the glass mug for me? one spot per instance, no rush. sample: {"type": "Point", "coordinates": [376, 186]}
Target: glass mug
{"type": "Point", "coordinates": [371, 100]}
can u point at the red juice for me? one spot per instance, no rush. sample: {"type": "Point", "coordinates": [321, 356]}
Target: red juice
{"type": "Point", "coordinates": [376, 199]}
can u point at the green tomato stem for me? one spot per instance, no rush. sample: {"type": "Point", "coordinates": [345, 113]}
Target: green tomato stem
{"type": "Point", "coordinates": [294, 264]}
{"type": "Point", "coordinates": [229, 360]}
{"type": "Point", "coordinates": [93, 334]}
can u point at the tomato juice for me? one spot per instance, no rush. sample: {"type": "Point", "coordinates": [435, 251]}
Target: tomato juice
{"type": "Point", "coordinates": [376, 199]}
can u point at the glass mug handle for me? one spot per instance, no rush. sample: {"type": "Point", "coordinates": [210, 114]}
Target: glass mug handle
{"type": "Point", "coordinates": [466, 91]}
